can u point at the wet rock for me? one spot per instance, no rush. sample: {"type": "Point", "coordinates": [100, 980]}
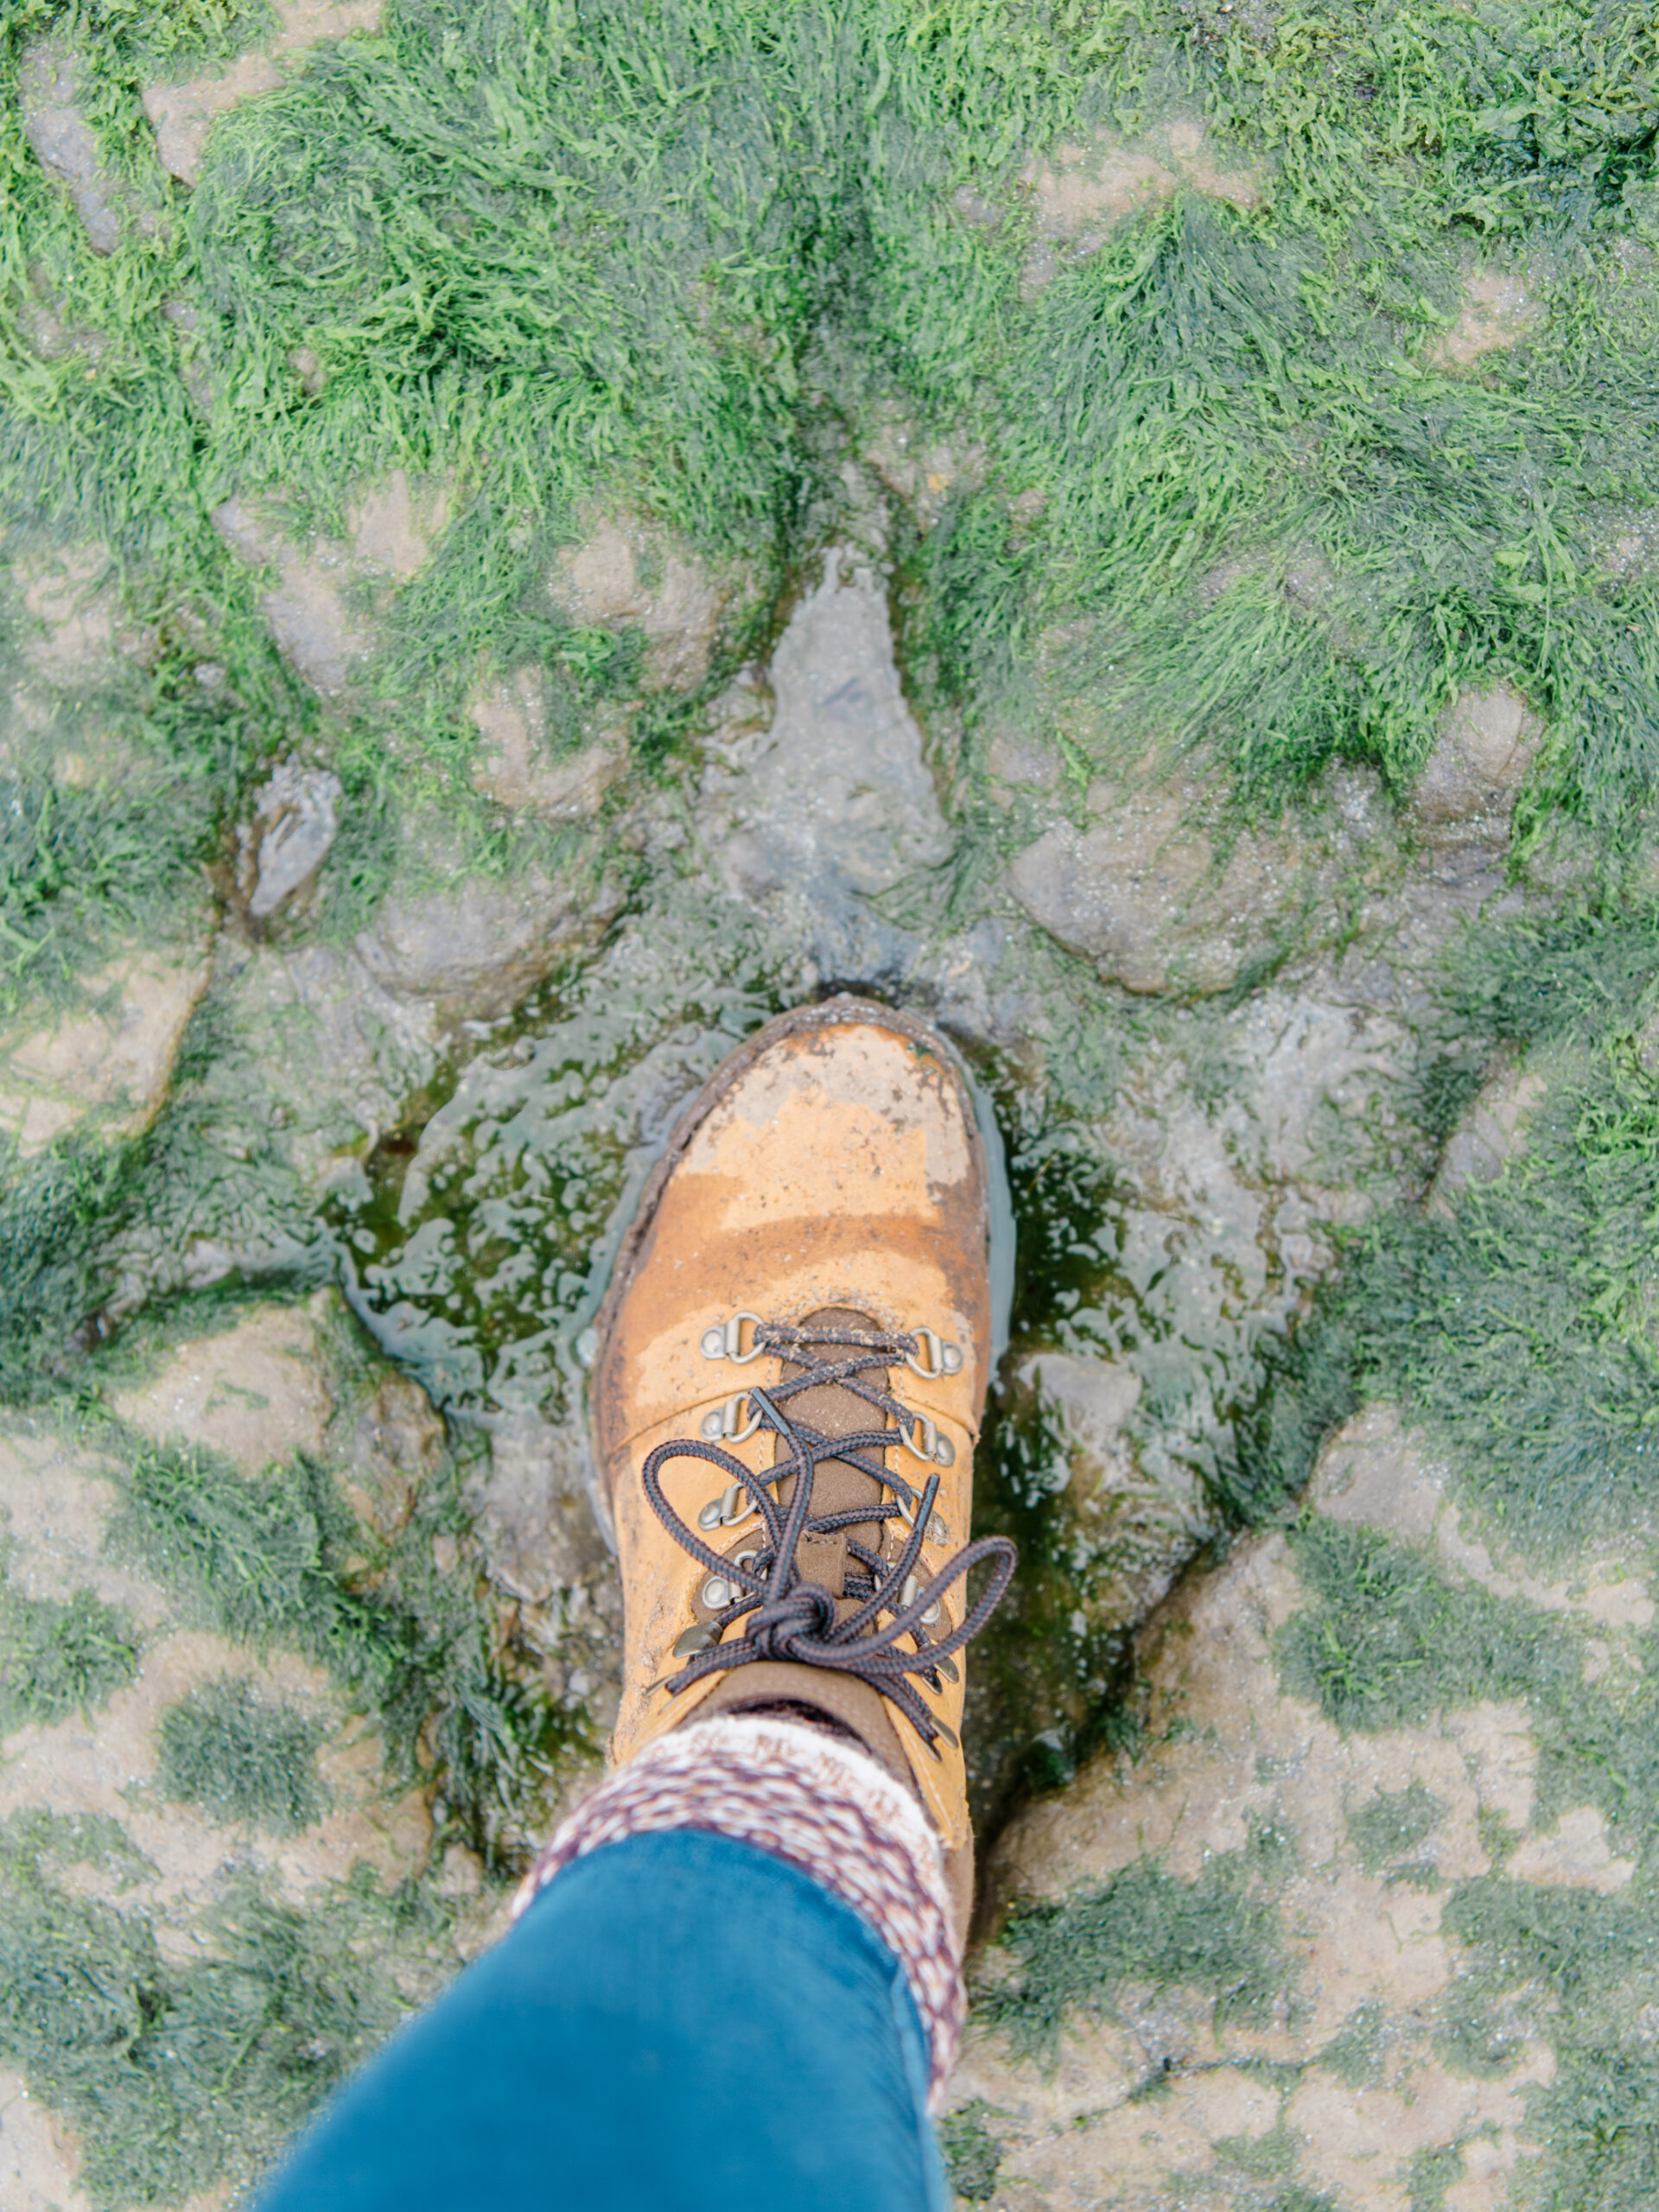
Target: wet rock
{"type": "Point", "coordinates": [1374, 1470]}
{"type": "Point", "coordinates": [111, 1056]}
{"type": "Point", "coordinates": [305, 610]}
{"type": "Point", "coordinates": [59, 1505]}
{"type": "Point", "coordinates": [1137, 890]}
{"type": "Point", "coordinates": [255, 1393]}
{"type": "Point", "coordinates": [1491, 1132]}
{"type": "Point", "coordinates": [333, 1052]}
{"type": "Point", "coordinates": [1390, 962]}
{"type": "Point", "coordinates": [40, 2156]}
{"type": "Point", "coordinates": [1574, 1855]}
{"type": "Point", "coordinates": [317, 609]}
{"type": "Point", "coordinates": [811, 812]}
{"type": "Point", "coordinates": [1127, 1533]}
{"type": "Point", "coordinates": [516, 766]}
{"type": "Point", "coordinates": [1080, 192]}
{"type": "Point", "coordinates": [295, 821]}
{"type": "Point", "coordinates": [477, 948]}
{"type": "Point", "coordinates": [183, 114]}
{"type": "Point", "coordinates": [1371, 1471]}
{"type": "Point", "coordinates": [391, 529]}
{"type": "Point", "coordinates": [922, 472]}
{"type": "Point", "coordinates": [73, 635]}
{"type": "Point", "coordinates": [1237, 1147]}
{"type": "Point", "coordinates": [1230, 1756]}
{"type": "Point", "coordinates": [64, 143]}
{"type": "Point", "coordinates": [535, 1507]}
{"type": "Point", "coordinates": [628, 574]}
{"type": "Point", "coordinates": [396, 1445]}
{"type": "Point", "coordinates": [1500, 306]}
{"type": "Point", "coordinates": [1018, 761]}
{"type": "Point", "coordinates": [1484, 754]}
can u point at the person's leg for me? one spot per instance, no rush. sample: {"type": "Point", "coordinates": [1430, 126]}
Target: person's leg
{"type": "Point", "coordinates": [741, 1966]}
{"type": "Point", "coordinates": [678, 2022]}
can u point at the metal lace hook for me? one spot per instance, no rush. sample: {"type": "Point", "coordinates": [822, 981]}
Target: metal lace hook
{"type": "Point", "coordinates": [725, 1340]}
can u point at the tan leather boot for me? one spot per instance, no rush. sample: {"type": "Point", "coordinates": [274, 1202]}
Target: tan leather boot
{"type": "Point", "coordinates": [806, 1292]}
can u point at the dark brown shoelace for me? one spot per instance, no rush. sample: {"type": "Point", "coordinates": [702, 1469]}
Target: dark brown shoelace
{"type": "Point", "coordinates": [788, 1617]}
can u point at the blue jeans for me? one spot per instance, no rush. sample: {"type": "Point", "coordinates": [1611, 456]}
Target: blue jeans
{"type": "Point", "coordinates": [679, 2024]}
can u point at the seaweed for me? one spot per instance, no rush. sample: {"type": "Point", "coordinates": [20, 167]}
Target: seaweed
{"type": "Point", "coordinates": [280, 1559]}
{"type": "Point", "coordinates": [60, 1656]}
{"type": "Point", "coordinates": [241, 1759]}
{"type": "Point", "coordinates": [182, 2072]}
{"type": "Point", "coordinates": [1217, 1934]}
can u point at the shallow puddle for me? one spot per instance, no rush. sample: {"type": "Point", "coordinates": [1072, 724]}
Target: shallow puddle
{"type": "Point", "coordinates": [476, 1245]}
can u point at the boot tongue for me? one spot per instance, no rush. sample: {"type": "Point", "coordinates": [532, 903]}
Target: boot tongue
{"type": "Point", "coordinates": [834, 1410]}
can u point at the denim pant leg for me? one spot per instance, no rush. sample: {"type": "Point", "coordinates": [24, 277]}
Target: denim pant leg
{"type": "Point", "coordinates": [679, 2024]}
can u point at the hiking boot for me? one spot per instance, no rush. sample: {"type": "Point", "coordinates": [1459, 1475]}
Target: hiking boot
{"type": "Point", "coordinates": [792, 1360]}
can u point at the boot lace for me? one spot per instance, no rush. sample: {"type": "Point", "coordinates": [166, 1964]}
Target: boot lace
{"type": "Point", "coordinates": [786, 1617]}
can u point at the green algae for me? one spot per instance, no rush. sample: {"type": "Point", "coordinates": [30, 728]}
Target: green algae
{"type": "Point", "coordinates": [281, 1559]}
{"type": "Point", "coordinates": [477, 1244]}
{"type": "Point", "coordinates": [56, 1217]}
{"type": "Point", "coordinates": [1388, 1830]}
{"type": "Point", "coordinates": [241, 1759]}
{"type": "Point", "coordinates": [1218, 1936]}
{"type": "Point", "coordinates": [1392, 1640]}
{"type": "Point", "coordinates": [722, 283]}
{"type": "Point", "coordinates": [973, 2156]}
{"type": "Point", "coordinates": [1354, 2054]}
{"type": "Point", "coordinates": [1517, 1330]}
{"type": "Point", "coordinates": [181, 2072]}
{"type": "Point", "coordinates": [1579, 1968]}
{"type": "Point", "coordinates": [579, 262]}
{"type": "Point", "coordinates": [60, 1656]}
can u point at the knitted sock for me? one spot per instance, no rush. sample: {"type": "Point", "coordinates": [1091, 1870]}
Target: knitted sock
{"type": "Point", "coordinates": [820, 1803]}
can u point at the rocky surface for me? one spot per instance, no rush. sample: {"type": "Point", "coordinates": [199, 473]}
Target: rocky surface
{"type": "Point", "coordinates": [1141, 889]}
{"type": "Point", "coordinates": [1500, 306]}
{"type": "Point", "coordinates": [1486, 749]}
{"type": "Point", "coordinates": [325, 641]}
{"type": "Point", "coordinates": [625, 574]}
{"type": "Point", "coordinates": [1081, 192]}
{"type": "Point", "coordinates": [280, 1396]}
{"type": "Point", "coordinates": [1343, 2082]}
{"type": "Point", "coordinates": [818, 799]}
{"type": "Point", "coordinates": [254, 1393]}
{"type": "Point", "coordinates": [518, 767]}
{"type": "Point", "coordinates": [65, 144]}
{"type": "Point", "coordinates": [108, 1059]}
{"type": "Point", "coordinates": [296, 822]}
{"type": "Point", "coordinates": [437, 1069]}
{"type": "Point", "coordinates": [182, 114]}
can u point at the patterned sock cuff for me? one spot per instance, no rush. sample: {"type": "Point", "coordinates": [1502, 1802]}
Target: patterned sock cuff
{"type": "Point", "coordinates": [823, 1805]}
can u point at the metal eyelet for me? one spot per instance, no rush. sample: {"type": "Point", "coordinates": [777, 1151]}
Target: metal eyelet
{"type": "Point", "coordinates": [733, 1504]}
{"type": "Point", "coordinates": [947, 1667]}
{"type": "Point", "coordinates": [946, 1357]}
{"type": "Point", "coordinates": [908, 1596]}
{"type": "Point", "coordinates": [722, 1423]}
{"type": "Point", "coordinates": [725, 1340]}
{"type": "Point", "coordinates": [717, 1594]}
{"type": "Point", "coordinates": [924, 1439]}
